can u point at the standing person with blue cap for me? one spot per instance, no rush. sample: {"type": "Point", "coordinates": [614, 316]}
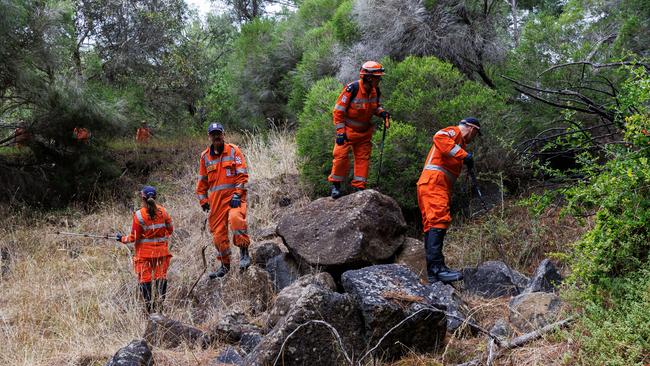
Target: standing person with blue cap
{"type": "Point", "coordinates": [221, 190]}
{"type": "Point", "coordinates": [443, 165]}
{"type": "Point", "coordinates": [150, 231]}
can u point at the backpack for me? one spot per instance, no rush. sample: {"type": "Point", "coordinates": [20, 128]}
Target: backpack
{"type": "Point", "coordinates": [353, 88]}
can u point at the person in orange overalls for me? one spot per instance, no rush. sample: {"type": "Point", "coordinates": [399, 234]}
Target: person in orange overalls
{"type": "Point", "coordinates": [81, 134]}
{"type": "Point", "coordinates": [143, 133]}
{"type": "Point", "coordinates": [353, 112]}
{"type": "Point", "coordinates": [444, 162]}
{"type": "Point", "coordinates": [150, 231]}
{"type": "Point", "coordinates": [222, 192]}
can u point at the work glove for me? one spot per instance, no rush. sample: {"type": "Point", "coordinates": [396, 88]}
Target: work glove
{"type": "Point", "coordinates": [118, 237]}
{"type": "Point", "coordinates": [469, 161]}
{"type": "Point", "coordinates": [235, 201]}
{"type": "Point", "coordinates": [205, 207]}
{"type": "Point", "coordinates": [340, 138]}
{"type": "Point", "coordinates": [386, 117]}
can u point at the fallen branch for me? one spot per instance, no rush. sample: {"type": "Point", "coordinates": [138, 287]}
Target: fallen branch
{"type": "Point", "coordinates": [518, 341]}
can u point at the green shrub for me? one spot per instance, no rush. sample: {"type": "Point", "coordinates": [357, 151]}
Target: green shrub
{"type": "Point", "coordinates": [315, 135]}
{"type": "Point", "coordinates": [405, 150]}
{"type": "Point", "coordinates": [346, 30]}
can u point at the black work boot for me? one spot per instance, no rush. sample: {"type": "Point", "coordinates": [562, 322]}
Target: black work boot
{"type": "Point", "coordinates": [244, 259]}
{"type": "Point", "coordinates": [336, 190]}
{"type": "Point", "coordinates": [161, 293]}
{"type": "Point", "coordinates": [436, 268]}
{"type": "Point", "coordinates": [145, 290]}
{"type": "Point", "coordinates": [221, 272]}
{"type": "Point", "coordinates": [357, 189]}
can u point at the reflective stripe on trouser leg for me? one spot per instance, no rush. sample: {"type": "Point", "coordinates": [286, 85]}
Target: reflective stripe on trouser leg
{"type": "Point", "coordinates": [238, 227]}
{"type": "Point", "coordinates": [433, 199]}
{"type": "Point", "coordinates": [362, 151]}
{"type": "Point", "coordinates": [340, 163]}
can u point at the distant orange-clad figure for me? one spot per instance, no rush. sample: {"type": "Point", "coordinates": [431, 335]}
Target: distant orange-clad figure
{"type": "Point", "coordinates": [81, 134]}
{"type": "Point", "coordinates": [143, 133]}
{"type": "Point", "coordinates": [22, 136]}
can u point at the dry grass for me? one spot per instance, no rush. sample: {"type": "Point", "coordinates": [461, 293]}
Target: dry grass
{"type": "Point", "coordinates": [73, 301]}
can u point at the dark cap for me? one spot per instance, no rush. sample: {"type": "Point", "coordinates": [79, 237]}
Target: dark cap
{"type": "Point", "coordinates": [148, 192]}
{"type": "Point", "coordinates": [472, 122]}
{"type": "Point", "coordinates": [214, 126]}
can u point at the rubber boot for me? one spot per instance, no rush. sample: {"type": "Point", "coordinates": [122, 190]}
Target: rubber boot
{"type": "Point", "coordinates": [223, 270]}
{"type": "Point", "coordinates": [336, 190]}
{"type": "Point", "coordinates": [436, 268]}
{"type": "Point", "coordinates": [244, 259]}
{"type": "Point", "coordinates": [145, 290]}
{"type": "Point", "coordinates": [161, 293]}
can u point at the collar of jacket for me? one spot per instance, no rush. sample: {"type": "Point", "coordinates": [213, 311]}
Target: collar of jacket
{"type": "Point", "coordinates": [214, 153]}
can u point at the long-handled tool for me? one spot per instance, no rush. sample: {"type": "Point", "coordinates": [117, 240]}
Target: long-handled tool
{"type": "Point", "coordinates": [381, 148]}
{"type": "Point", "coordinates": [96, 236]}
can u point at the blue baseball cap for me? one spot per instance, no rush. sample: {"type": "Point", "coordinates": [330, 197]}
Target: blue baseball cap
{"type": "Point", "coordinates": [214, 126]}
{"type": "Point", "coordinates": [148, 192]}
{"type": "Point", "coordinates": [473, 122]}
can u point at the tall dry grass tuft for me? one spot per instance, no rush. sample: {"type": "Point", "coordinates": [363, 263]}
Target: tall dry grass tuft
{"type": "Point", "coordinates": [70, 300]}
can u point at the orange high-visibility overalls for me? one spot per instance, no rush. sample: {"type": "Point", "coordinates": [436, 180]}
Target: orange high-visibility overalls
{"type": "Point", "coordinates": [353, 117]}
{"type": "Point", "coordinates": [142, 135]}
{"type": "Point", "coordinates": [221, 176]}
{"type": "Point", "coordinates": [151, 258]}
{"type": "Point", "coordinates": [442, 167]}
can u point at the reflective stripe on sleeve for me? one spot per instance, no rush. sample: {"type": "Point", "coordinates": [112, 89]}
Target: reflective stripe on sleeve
{"type": "Point", "coordinates": [138, 215]}
{"type": "Point", "coordinates": [340, 108]}
{"type": "Point", "coordinates": [339, 125]}
{"type": "Point", "coordinates": [202, 196]}
{"type": "Point", "coordinates": [203, 177]}
{"type": "Point", "coordinates": [241, 171]}
{"type": "Point", "coordinates": [240, 186]}
{"type": "Point", "coordinates": [454, 150]}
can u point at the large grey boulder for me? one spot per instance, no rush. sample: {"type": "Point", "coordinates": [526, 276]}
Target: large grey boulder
{"type": "Point", "coordinates": [534, 310]}
{"type": "Point", "coordinates": [493, 279]}
{"type": "Point", "coordinates": [388, 294]}
{"type": "Point", "coordinates": [168, 333]}
{"type": "Point", "coordinates": [288, 297]}
{"type": "Point", "coordinates": [359, 229]}
{"type": "Point", "coordinates": [136, 353]}
{"type": "Point", "coordinates": [228, 357]}
{"type": "Point", "coordinates": [545, 279]}
{"type": "Point", "coordinates": [232, 326]}
{"type": "Point", "coordinates": [312, 344]}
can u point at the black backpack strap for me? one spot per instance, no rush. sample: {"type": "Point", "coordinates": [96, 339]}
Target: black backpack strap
{"type": "Point", "coordinates": [353, 89]}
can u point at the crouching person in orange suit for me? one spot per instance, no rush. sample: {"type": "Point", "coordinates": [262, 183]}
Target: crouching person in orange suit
{"type": "Point", "coordinates": [443, 165]}
{"type": "Point", "coordinates": [221, 189]}
{"type": "Point", "coordinates": [150, 231]}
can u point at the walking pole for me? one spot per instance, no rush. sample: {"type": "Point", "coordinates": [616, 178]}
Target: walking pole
{"type": "Point", "coordinates": [205, 263]}
{"type": "Point", "coordinates": [381, 149]}
{"type": "Point", "coordinates": [87, 235]}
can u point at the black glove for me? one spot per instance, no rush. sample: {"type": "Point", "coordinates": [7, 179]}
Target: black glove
{"type": "Point", "coordinates": [385, 116]}
{"type": "Point", "coordinates": [340, 138]}
{"type": "Point", "coordinates": [469, 161]}
{"type": "Point", "coordinates": [235, 201]}
{"type": "Point", "coordinates": [205, 207]}
{"type": "Point", "coordinates": [118, 237]}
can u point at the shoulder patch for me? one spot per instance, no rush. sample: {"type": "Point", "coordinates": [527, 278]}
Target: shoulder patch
{"type": "Point", "coordinates": [451, 133]}
{"type": "Point", "coordinates": [344, 99]}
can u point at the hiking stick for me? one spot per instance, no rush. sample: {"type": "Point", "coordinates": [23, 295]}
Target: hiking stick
{"type": "Point", "coordinates": [87, 235]}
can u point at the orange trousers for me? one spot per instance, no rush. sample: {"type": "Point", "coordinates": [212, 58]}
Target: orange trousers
{"type": "Point", "coordinates": [223, 217]}
{"type": "Point", "coordinates": [149, 269]}
{"type": "Point", "coordinates": [434, 197]}
{"type": "Point", "coordinates": [361, 145]}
